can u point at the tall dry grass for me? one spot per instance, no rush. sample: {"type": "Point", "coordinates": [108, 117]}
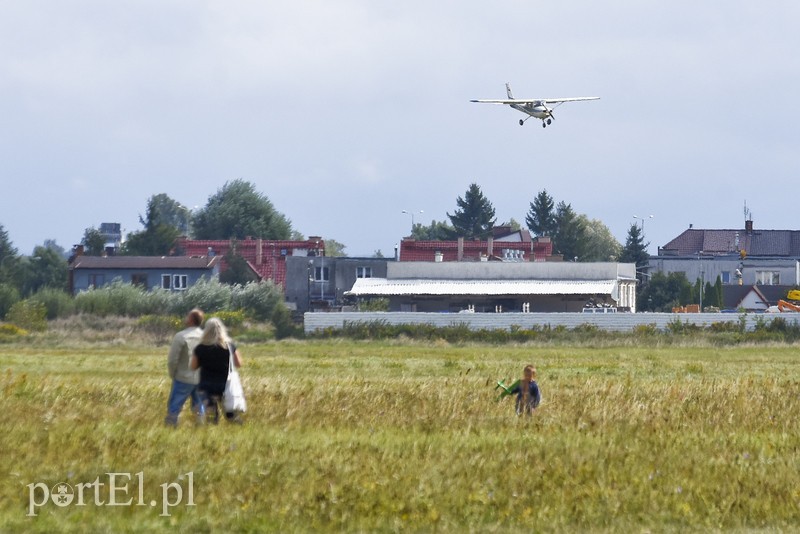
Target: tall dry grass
{"type": "Point", "coordinates": [366, 436]}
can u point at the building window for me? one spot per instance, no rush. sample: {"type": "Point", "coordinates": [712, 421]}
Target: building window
{"type": "Point", "coordinates": [321, 274]}
{"type": "Point", "coordinates": [726, 277]}
{"type": "Point", "coordinates": [166, 281]}
{"type": "Point", "coordinates": [180, 282]}
{"type": "Point", "coordinates": [139, 280]}
{"type": "Point", "coordinates": [768, 278]}
{"type": "Point", "coordinates": [363, 272]}
{"type": "Point", "coordinates": [96, 280]}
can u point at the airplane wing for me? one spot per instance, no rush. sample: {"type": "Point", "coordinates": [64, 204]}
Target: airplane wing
{"type": "Point", "coordinates": [537, 100]}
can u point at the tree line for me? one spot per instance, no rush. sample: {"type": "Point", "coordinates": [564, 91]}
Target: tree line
{"type": "Point", "coordinates": [237, 210]}
{"type": "Point", "coordinates": [575, 236]}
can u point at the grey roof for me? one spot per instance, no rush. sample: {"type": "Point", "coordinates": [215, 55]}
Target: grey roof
{"type": "Point", "coordinates": [488, 270]}
{"type": "Point", "coordinates": [755, 243]}
{"type": "Point", "coordinates": [733, 295]}
{"type": "Point", "coordinates": [143, 262]}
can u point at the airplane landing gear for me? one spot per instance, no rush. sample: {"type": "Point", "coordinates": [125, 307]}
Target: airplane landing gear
{"type": "Point", "coordinates": [549, 121]}
{"type": "Point", "coordinates": [544, 124]}
{"type": "Point", "coordinates": [521, 122]}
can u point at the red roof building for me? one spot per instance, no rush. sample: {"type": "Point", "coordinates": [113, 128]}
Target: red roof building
{"type": "Point", "coordinates": [267, 258]}
{"type": "Point", "coordinates": [516, 246]}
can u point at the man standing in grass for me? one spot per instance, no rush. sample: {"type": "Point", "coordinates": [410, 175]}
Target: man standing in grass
{"type": "Point", "coordinates": [184, 379]}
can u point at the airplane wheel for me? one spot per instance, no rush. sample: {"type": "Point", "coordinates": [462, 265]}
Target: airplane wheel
{"type": "Point", "coordinates": [521, 122]}
{"type": "Point", "coordinates": [544, 124]}
{"type": "Point", "coordinates": [548, 121]}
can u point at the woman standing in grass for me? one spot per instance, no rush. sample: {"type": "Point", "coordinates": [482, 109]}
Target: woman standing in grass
{"type": "Point", "coordinates": [211, 356]}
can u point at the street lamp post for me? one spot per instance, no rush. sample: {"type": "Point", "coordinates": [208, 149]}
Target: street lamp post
{"type": "Point", "coordinates": [412, 216]}
{"type": "Point", "coordinates": [643, 219]}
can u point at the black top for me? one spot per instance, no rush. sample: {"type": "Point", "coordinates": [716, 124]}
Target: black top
{"type": "Point", "coordinates": [213, 363]}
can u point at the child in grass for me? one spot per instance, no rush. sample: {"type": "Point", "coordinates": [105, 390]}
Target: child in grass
{"type": "Point", "coordinates": [527, 390]}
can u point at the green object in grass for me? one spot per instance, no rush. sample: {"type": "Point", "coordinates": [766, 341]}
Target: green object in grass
{"type": "Point", "coordinates": [506, 389]}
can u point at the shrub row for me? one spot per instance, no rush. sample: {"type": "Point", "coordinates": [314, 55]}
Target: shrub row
{"type": "Point", "coordinates": [156, 310]}
{"type": "Point", "coordinates": [723, 333]}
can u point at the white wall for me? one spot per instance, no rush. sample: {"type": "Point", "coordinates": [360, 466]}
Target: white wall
{"type": "Point", "coordinates": [619, 322]}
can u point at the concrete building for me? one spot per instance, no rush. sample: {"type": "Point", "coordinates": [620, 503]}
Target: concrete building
{"type": "Point", "coordinates": [503, 245]}
{"type": "Point", "coordinates": [502, 286]}
{"type": "Point", "coordinates": [169, 273]}
{"type": "Point", "coordinates": [738, 257]}
{"type": "Point", "coordinates": [319, 282]}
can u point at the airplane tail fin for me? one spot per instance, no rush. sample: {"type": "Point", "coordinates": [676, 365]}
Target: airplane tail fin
{"type": "Point", "coordinates": [508, 91]}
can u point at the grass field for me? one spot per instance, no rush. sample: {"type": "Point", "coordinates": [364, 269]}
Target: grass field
{"type": "Point", "coordinates": [399, 436]}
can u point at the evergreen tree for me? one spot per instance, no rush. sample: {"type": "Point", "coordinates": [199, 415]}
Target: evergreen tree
{"type": "Point", "coordinates": [474, 217]}
{"type": "Point", "coordinates": [8, 258]}
{"type": "Point", "coordinates": [570, 237]}
{"type": "Point", "coordinates": [718, 293]}
{"type": "Point", "coordinates": [635, 251]}
{"type": "Point", "coordinates": [541, 218]}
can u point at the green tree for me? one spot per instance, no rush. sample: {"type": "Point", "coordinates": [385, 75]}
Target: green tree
{"type": "Point", "coordinates": [51, 244]}
{"type": "Point", "coordinates": [160, 231]}
{"type": "Point", "coordinates": [600, 244]}
{"type": "Point", "coordinates": [513, 224]}
{"type": "Point", "coordinates": [474, 217]}
{"type": "Point", "coordinates": [570, 237]}
{"type": "Point", "coordinates": [333, 248]}
{"type": "Point", "coordinates": [710, 296]}
{"type": "Point", "coordinates": [93, 242]}
{"type": "Point", "coordinates": [9, 295]}
{"type": "Point", "coordinates": [664, 292]}
{"type": "Point", "coordinates": [635, 251]}
{"type": "Point", "coordinates": [46, 268]}
{"type": "Point", "coordinates": [436, 231]}
{"type": "Point", "coordinates": [238, 211]}
{"type": "Point", "coordinates": [541, 217]}
{"type": "Point", "coordinates": [238, 271]}
{"type": "Point", "coordinates": [8, 259]}
{"type": "Point", "coordinates": [718, 293]}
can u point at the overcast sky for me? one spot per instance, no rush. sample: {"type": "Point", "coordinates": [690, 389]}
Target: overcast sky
{"type": "Point", "coordinates": [346, 113]}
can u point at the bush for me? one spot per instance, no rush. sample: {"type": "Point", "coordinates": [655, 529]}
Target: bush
{"type": "Point", "coordinates": [160, 326]}
{"type": "Point", "coordinates": [8, 296]}
{"type": "Point", "coordinates": [57, 302]}
{"type": "Point", "coordinates": [233, 320]}
{"type": "Point", "coordinates": [676, 326]}
{"type": "Point", "coordinates": [29, 315]}
{"type": "Point", "coordinates": [375, 304]}
{"type": "Point", "coordinates": [282, 321]}
{"type": "Point", "coordinates": [258, 299]}
{"type": "Point", "coordinates": [209, 296]}
{"type": "Point", "coordinates": [116, 298]}
{"type": "Point", "coordinates": [645, 330]}
{"type": "Point", "coordinates": [9, 332]}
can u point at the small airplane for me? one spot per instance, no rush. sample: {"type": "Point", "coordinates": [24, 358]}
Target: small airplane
{"type": "Point", "coordinates": [535, 107]}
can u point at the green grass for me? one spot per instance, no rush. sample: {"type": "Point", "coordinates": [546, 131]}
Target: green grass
{"type": "Point", "coordinates": [389, 436]}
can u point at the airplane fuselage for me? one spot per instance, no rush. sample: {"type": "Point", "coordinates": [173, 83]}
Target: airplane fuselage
{"type": "Point", "coordinates": [534, 109]}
